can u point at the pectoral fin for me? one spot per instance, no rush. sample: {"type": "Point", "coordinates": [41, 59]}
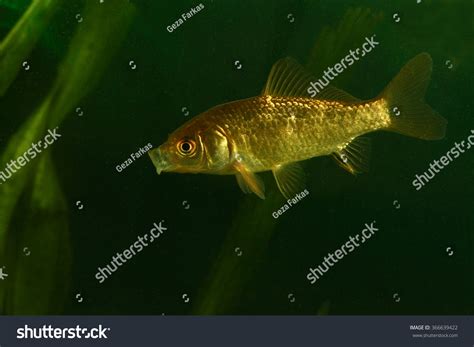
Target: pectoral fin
{"type": "Point", "coordinates": [245, 188]}
{"type": "Point", "coordinates": [249, 182]}
{"type": "Point", "coordinates": [290, 179]}
{"type": "Point", "coordinates": [354, 157]}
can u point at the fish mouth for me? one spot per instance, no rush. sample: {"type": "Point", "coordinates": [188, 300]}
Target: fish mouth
{"type": "Point", "coordinates": [159, 161]}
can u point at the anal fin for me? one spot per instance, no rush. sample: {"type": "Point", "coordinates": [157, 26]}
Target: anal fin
{"type": "Point", "coordinates": [355, 155]}
{"type": "Point", "coordinates": [289, 178]}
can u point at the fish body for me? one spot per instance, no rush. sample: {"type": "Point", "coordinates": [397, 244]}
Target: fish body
{"type": "Point", "coordinates": [284, 126]}
{"type": "Point", "coordinates": [267, 131]}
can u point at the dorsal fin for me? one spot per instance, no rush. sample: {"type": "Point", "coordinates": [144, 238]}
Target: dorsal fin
{"type": "Point", "coordinates": [287, 78]}
{"type": "Point", "coordinates": [290, 79]}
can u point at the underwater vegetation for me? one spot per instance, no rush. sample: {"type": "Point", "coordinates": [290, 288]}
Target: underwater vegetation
{"type": "Point", "coordinates": [32, 204]}
{"type": "Point", "coordinates": [143, 69]}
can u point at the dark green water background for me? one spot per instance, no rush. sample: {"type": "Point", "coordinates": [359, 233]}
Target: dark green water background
{"type": "Point", "coordinates": [194, 67]}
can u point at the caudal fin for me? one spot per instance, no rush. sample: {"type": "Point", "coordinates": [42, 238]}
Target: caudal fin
{"type": "Point", "coordinates": [410, 114]}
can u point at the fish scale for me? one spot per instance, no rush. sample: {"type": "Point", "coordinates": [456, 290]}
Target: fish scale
{"type": "Point", "coordinates": [317, 127]}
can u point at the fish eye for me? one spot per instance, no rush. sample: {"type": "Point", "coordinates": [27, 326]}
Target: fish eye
{"type": "Point", "coordinates": [186, 147]}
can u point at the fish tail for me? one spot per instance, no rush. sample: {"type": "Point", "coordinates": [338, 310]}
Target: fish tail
{"type": "Point", "coordinates": [409, 114]}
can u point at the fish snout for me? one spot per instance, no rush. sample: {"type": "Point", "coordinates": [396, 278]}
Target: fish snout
{"type": "Point", "coordinates": [159, 160]}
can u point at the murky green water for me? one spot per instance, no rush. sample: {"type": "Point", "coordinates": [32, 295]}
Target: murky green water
{"type": "Point", "coordinates": [223, 252]}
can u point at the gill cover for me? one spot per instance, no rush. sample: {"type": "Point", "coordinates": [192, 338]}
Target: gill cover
{"type": "Point", "coordinates": [215, 147]}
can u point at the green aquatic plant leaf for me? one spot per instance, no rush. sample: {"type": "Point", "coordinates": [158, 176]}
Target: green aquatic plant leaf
{"type": "Point", "coordinates": [19, 42]}
{"type": "Point", "coordinates": [17, 5]}
{"type": "Point", "coordinates": [11, 190]}
{"type": "Point", "coordinates": [334, 42]}
{"type": "Point", "coordinates": [40, 273]}
{"type": "Point", "coordinates": [245, 247]}
{"type": "Point", "coordinates": [90, 50]}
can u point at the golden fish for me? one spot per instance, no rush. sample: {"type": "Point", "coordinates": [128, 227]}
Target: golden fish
{"type": "Point", "coordinates": [283, 126]}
